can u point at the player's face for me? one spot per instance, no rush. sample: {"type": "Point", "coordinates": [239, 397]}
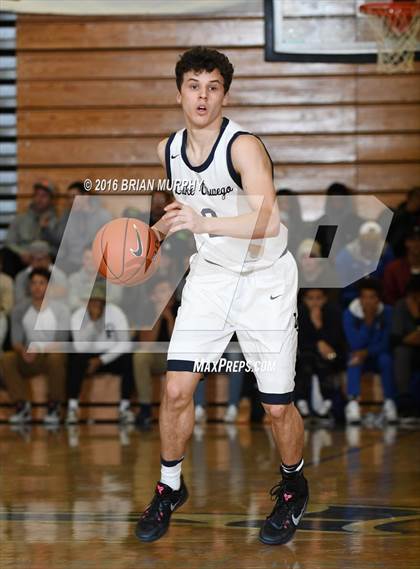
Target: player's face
{"type": "Point", "coordinates": [202, 97]}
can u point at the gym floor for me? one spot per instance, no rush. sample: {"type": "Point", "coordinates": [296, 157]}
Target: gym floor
{"type": "Point", "coordinates": [69, 498]}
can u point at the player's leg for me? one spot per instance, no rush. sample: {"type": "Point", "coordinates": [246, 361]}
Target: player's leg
{"type": "Point", "coordinates": [176, 416]}
{"type": "Point", "coordinates": [200, 337]}
{"type": "Point", "coordinates": [176, 423]}
{"type": "Point", "coordinates": [269, 345]}
{"type": "Point", "coordinates": [288, 431]}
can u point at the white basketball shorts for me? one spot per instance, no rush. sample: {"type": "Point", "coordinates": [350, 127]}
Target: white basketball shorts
{"type": "Point", "coordinates": [260, 306]}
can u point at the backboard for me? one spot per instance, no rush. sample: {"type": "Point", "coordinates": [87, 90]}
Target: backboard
{"type": "Point", "coordinates": [332, 31]}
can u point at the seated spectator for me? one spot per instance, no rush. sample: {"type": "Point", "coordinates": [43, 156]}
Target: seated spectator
{"type": "Point", "coordinates": [40, 258]}
{"type": "Point", "coordinates": [78, 283]}
{"type": "Point", "coordinates": [321, 349]}
{"type": "Point", "coordinates": [399, 272]}
{"type": "Point", "coordinates": [406, 342]}
{"type": "Point", "coordinates": [312, 272]}
{"type": "Point", "coordinates": [18, 365]}
{"type": "Point", "coordinates": [406, 216]}
{"type": "Point", "coordinates": [339, 210]}
{"type": "Point", "coordinates": [87, 216]}
{"type": "Point", "coordinates": [361, 256]}
{"type": "Point", "coordinates": [101, 343]}
{"type": "Point", "coordinates": [6, 303]}
{"type": "Point", "coordinates": [37, 223]}
{"type": "Point", "coordinates": [147, 363]}
{"type": "Point", "coordinates": [367, 325]}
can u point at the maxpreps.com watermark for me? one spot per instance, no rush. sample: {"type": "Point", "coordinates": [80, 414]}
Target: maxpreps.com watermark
{"type": "Point", "coordinates": [228, 366]}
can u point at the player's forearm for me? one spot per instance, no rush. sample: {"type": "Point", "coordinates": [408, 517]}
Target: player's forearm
{"type": "Point", "coordinates": [254, 225]}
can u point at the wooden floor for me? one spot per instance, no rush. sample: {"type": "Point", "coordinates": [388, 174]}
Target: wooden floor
{"type": "Point", "coordinates": [69, 499]}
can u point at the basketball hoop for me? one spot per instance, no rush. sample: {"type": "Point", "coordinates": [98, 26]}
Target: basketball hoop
{"type": "Point", "coordinates": [396, 26]}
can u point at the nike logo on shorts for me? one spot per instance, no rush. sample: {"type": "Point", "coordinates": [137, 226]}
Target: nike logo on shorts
{"type": "Point", "coordinates": [274, 297]}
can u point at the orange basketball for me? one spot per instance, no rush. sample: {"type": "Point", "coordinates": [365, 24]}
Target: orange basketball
{"type": "Point", "coordinates": [126, 251]}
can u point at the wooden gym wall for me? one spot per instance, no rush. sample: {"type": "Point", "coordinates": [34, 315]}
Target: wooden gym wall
{"type": "Point", "coordinates": [96, 94]}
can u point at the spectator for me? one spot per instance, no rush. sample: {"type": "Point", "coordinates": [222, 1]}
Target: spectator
{"type": "Point", "coordinates": [291, 217]}
{"type": "Point", "coordinates": [321, 349]}
{"type": "Point", "coordinates": [367, 325]}
{"type": "Point", "coordinates": [87, 217]}
{"type": "Point", "coordinates": [40, 258]}
{"type": "Point", "coordinates": [406, 216]}
{"type": "Point", "coordinates": [406, 342]}
{"type": "Point", "coordinates": [368, 254]}
{"type": "Point", "coordinates": [339, 211]}
{"type": "Point", "coordinates": [80, 281]}
{"type": "Point", "coordinates": [101, 343]}
{"type": "Point", "coordinates": [312, 272]}
{"type": "Point", "coordinates": [37, 223]}
{"type": "Point", "coordinates": [6, 303]}
{"type": "Point", "coordinates": [400, 271]}
{"type": "Point", "coordinates": [19, 364]}
{"type": "Point", "coordinates": [147, 363]}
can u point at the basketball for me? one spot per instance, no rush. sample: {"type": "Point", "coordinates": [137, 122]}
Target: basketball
{"type": "Point", "coordinates": [126, 251]}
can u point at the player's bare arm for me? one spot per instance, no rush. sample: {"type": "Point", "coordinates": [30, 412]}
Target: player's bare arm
{"type": "Point", "coordinates": [251, 161]}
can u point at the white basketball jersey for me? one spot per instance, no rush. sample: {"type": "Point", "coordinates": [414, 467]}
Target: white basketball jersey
{"type": "Point", "coordinates": [215, 189]}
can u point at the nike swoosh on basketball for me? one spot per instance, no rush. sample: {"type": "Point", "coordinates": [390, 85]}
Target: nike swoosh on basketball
{"type": "Point", "coordinates": [274, 297]}
{"type": "Point", "coordinates": [297, 519]}
{"type": "Point", "coordinates": [137, 252]}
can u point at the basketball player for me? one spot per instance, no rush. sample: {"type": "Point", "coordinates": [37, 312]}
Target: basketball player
{"type": "Point", "coordinates": [241, 279]}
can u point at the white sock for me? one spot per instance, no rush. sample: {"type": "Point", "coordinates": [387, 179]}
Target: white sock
{"type": "Point", "coordinates": [73, 404]}
{"type": "Point", "coordinates": [124, 404]}
{"type": "Point", "coordinates": [170, 473]}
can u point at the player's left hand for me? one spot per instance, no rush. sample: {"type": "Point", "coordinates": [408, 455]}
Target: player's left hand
{"type": "Point", "coordinates": [180, 216]}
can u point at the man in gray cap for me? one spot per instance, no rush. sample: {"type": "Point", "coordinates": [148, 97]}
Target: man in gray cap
{"type": "Point", "coordinates": [36, 223]}
{"type": "Point", "coordinates": [40, 258]}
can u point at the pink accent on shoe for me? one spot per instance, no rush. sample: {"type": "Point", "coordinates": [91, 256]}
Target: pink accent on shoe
{"type": "Point", "coordinates": [287, 497]}
{"type": "Point", "coordinates": [160, 488]}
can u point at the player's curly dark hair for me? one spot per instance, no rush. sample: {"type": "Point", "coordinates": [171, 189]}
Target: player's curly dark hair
{"type": "Point", "coordinates": [204, 59]}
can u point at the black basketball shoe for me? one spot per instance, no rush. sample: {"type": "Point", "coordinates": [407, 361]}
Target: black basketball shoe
{"type": "Point", "coordinates": [291, 499]}
{"type": "Point", "coordinates": [154, 521]}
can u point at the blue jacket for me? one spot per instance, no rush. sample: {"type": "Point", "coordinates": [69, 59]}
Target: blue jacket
{"type": "Point", "coordinates": [374, 338]}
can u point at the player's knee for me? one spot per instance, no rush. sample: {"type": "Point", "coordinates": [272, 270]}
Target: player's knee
{"type": "Point", "coordinates": [176, 394]}
{"type": "Point", "coordinates": [277, 412]}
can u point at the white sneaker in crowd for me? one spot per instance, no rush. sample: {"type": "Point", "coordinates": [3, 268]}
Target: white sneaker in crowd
{"type": "Point", "coordinates": [352, 412]}
{"type": "Point", "coordinates": [200, 414]}
{"type": "Point", "coordinates": [303, 408]}
{"type": "Point", "coordinates": [72, 417]}
{"type": "Point", "coordinates": [52, 416]}
{"type": "Point", "coordinates": [231, 414]}
{"type": "Point", "coordinates": [126, 416]}
{"type": "Point", "coordinates": [390, 411]}
{"type": "Point", "coordinates": [22, 415]}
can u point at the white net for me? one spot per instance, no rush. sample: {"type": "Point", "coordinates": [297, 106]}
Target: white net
{"type": "Point", "coordinates": [397, 32]}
